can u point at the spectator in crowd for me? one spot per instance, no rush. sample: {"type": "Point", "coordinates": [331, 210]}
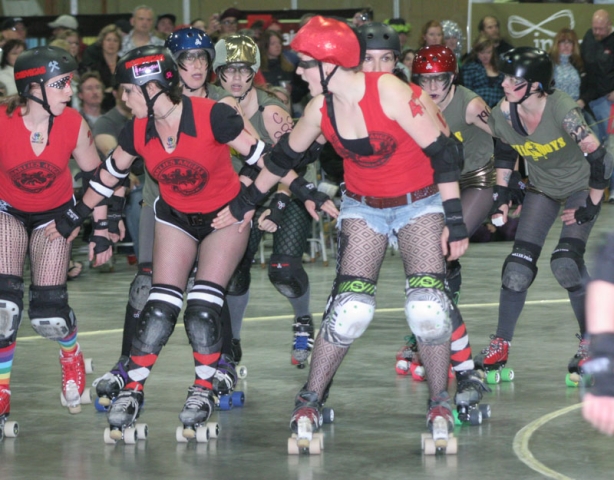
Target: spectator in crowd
{"type": "Point", "coordinates": [229, 21]}
{"type": "Point", "coordinates": [12, 29]}
{"type": "Point", "coordinates": [141, 33]}
{"type": "Point", "coordinates": [432, 34]}
{"type": "Point", "coordinates": [489, 27]}
{"type": "Point", "coordinates": [73, 40]}
{"type": "Point", "coordinates": [275, 66]}
{"type": "Point", "coordinates": [90, 94]}
{"type": "Point", "coordinates": [61, 24]}
{"type": "Point", "coordinates": [10, 52]}
{"type": "Point", "coordinates": [568, 65]}
{"type": "Point", "coordinates": [481, 74]}
{"type": "Point", "coordinates": [362, 17]}
{"type": "Point", "coordinates": [407, 58]}
{"type": "Point", "coordinates": [165, 25]}
{"type": "Point", "coordinates": [199, 23]}
{"type": "Point", "coordinates": [401, 27]}
{"type": "Point", "coordinates": [453, 38]}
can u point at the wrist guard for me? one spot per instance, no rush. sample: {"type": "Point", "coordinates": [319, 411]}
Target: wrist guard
{"type": "Point", "coordinates": [588, 213]}
{"type": "Point", "coordinates": [601, 163]}
{"type": "Point", "coordinates": [304, 190]}
{"type": "Point", "coordinates": [72, 218]}
{"type": "Point", "coordinates": [250, 171]}
{"type": "Point", "coordinates": [517, 188]}
{"type": "Point", "coordinates": [500, 196]}
{"type": "Point", "coordinates": [447, 158]}
{"type": "Point", "coordinates": [246, 201]}
{"type": "Point", "coordinates": [601, 364]}
{"type": "Point", "coordinates": [101, 225]}
{"type": "Point", "coordinates": [115, 211]}
{"type": "Point", "coordinates": [454, 220]}
{"type": "Point", "coordinates": [101, 243]}
{"type": "Point", "coordinates": [279, 202]}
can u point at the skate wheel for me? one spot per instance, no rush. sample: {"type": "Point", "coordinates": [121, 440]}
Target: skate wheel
{"type": "Point", "coordinates": [428, 446]}
{"type": "Point", "coordinates": [457, 421]}
{"type": "Point", "coordinates": [74, 409]}
{"type": "Point", "coordinates": [320, 437]}
{"type": "Point", "coordinates": [11, 429]}
{"type": "Point", "coordinates": [402, 367]}
{"type": "Point", "coordinates": [328, 415]}
{"type": "Point", "coordinates": [570, 380]}
{"type": "Point", "coordinates": [225, 402]}
{"type": "Point", "coordinates": [86, 397]}
{"type": "Point", "coordinates": [89, 365]}
{"type": "Point", "coordinates": [99, 406]}
{"type": "Point", "coordinates": [315, 446]}
{"type": "Point", "coordinates": [419, 373]}
{"type": "Point", "coordinates": [108, 437]}
{"type": "Point", "coordinates": [485, 409]}
{"type": "Point", "coordinates": [238, 399]}
{"type": "Point", "coordinates": [179, 435]}
{"type": "Point", "coordinates": [130, 436]}
{"type": "Point", "coordinates": [202, 434]}
{"type": "Point", "coordinates": [142, 430]}
{"type": "Point", "coordinates": [507, 375]}
{"type": "Point", "coordinates": [475, 417]}
{"type": "Point", "coordinates": [423, 437]}
{"type": "Point", "coordinates": [214, 429]}
{"type": "Point", "coordinates": [452, 447]}
{"type": "Point", "coordinates": [242, 371]}
{"type": "Point", "coordinates": [292, 446]}
{"type": "Point", "coordinates": [493, 377]}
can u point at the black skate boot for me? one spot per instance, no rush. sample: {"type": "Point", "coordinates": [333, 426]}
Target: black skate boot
{"type": "Point", "coordinates": [237, 352]}
{"type": "Point", "coordinates": [574, 377]}
{"type": "Point", "coordinates": [303, 340]}
{"type": "Point", "coordinates": [224, 383]}
{"type": "Point", "coordinates": [440, 422]}
{"type": "Point", "coordinates": [122, 418]}
{"type": "Point", "coordinates": [110, 384]}
{"type": "Point", "coordinates": [196, 411]}
{"type": "Point", "coordinates": [469, 391]}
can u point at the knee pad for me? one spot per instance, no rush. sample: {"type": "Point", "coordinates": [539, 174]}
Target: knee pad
{"type": "Point", "coordinates": [140, 286]}
{"type": "Point", "coordinates": [11, 308]}
{"type": "Point", "coordinates": [240, 280]}
{"type": "Point", "coordinates": [50, 315]}
{"type": "Point", "coordinates": [428, 308]}
{"type": "Point", "coordinates": [288, 275]}
{"type": "Point", "coordinates": [156, 325]}
{"type": "Point", "coordinates": [203, 326]}
{"type": "Point", "coordinates": [520, 267]}
{"type": "Point", "coordinates": [567, 263]}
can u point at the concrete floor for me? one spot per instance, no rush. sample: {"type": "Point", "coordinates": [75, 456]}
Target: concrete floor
{"type": "Point", "coordinates": [535, 430]}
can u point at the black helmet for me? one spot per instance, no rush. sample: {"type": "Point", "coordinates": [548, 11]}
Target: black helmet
{"type": "Point", "coordinates": [145, 64]}
{"type": "Point", "coordinates": [40, 64]}
{"type": "Point", "coordinates": [532, 64]}
{"type": "Point", "coordinates": [379, 36]}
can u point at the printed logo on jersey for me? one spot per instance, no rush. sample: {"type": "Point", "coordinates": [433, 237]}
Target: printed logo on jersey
{"type": "Point", "coordinates": [35, 176]}
{"type": "Point", "coordinates": [185, 177]}
{"type": "Point", "coordinates": [384, 145]}
{"type": "Point", "coordinates": [459, 136]}
{"type": "Point", "coordinates": [538, 151]}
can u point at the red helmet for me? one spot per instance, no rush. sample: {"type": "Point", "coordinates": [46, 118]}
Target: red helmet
{"type": "Point", "coordinates": [434, 59]}
{"type": "Point", "coordinates": [331, 41]}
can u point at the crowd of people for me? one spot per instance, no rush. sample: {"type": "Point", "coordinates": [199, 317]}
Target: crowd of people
{"type": "Point", "coordinates": [433, 146]}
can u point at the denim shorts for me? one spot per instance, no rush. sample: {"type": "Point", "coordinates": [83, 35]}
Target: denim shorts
{"type": "Point", "coordinates": [388, 221]}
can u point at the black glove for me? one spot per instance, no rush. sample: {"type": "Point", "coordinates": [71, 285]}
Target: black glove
{"type": "Point", "coordinates": [500, 196]}
{"type": "Point", "coordinates": [115, 211]}
{"type": "Point", "coordinates": [454, 220]}
{"type": "Point", "coordinates": [72, 218]}
{"type": "Point", "coordinates": [587, 213]}
{"type": "Point", "coordinates": [278, 204]}
{"type": "Point", "coordinates": [246, 201]}
{"type": "Point", "coordinates": [601, 364]}
{"type": "Point", "coordinates": [517, 188]}
{"type": "Point", "coordinates": [101, 243]}
{"type": "Point", "coordinates": [304, 190]}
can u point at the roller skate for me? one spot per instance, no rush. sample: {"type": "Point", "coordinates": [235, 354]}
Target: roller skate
{"type": "Point", "coordinates": [440, 422]}
{"type": "Point", "coordinates": [575, 375]}
{"type": "Point", "coordinates": [196, 411]}
{"type": "Point", "coordinates": [492, 361]}
{"type": "Point", "coordinates": [7, 429]}
{"type": "Point", "coordinates": [237, 355]}
{"type": "Point", "coordinates": [122, 418]}
{"type": "Point", "coordinates": [74, 368]}
{"type": "Point", "coordinates": [224, 383]}
{"type": "Point", "coordinates": [469, 391]}
{"type": "Point", "coordinates": [303, 340]}
{"type": "Point", "coordinates": [408, 360]}
{"type": "Point", "coordinates": [110, 384]}
{"type": "Point", "coordinates": [306, 420]}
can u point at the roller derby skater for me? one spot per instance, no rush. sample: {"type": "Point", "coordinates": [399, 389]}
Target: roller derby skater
{"type": "Point", "coordinates": [530, 100]}
{"type": "Point", "coordinates": [237, 60]}
{"type": "Point", "coordinates": [393, 201]}
{"type": "Point", "coordinates": [30, 218]}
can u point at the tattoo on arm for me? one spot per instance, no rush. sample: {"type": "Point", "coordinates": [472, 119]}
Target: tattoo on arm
{"type": "Point", "coordinates": [507, 176]}
{"type": "Point", "coordinates": [484, 114]}
{"type": "Point", "coordinates": [416, 107]}
{"type": "Point", "coordinates": [575, 126]}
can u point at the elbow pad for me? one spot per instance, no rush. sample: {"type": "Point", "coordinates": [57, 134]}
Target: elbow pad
{"type": "Point", "coordinates": [282, 158]}
{"type": "Point", "coordinates": [311, 155]}
{"type": "Point", "coordinates": [109, 165]}
{"type": "Point", "coordinates": [447, 158]}
{"type": "Point", "coordinates": [505, 155]}
{"type": "Point", "coordinates": [258, 149]}
{"type": "Point", "coordinates": [601, 163]}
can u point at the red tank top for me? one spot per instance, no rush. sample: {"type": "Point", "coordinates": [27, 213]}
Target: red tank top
{"type": "Point", "coordinates": [398, 165]}
{"type": "Point", "coordinates": [37, 184]}
{"type": "Point", "coordinates": [197, 177]}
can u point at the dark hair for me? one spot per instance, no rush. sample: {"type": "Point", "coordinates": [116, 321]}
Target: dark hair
{"type": "Point", "coordinates": [6, 49]}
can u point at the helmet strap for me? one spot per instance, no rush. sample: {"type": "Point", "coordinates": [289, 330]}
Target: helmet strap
{"type": "Point", "coordinates": [150, 130]}
{"type": "Point", "coordinates": [324, 80]}
{"type": "Point", "coordinates": [46, 107]}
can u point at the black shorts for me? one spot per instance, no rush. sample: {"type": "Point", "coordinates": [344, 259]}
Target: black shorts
{"type": "Point", "coordinates": [196, 225]}
{"type": "Point", "coordinates": [34, 220]}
